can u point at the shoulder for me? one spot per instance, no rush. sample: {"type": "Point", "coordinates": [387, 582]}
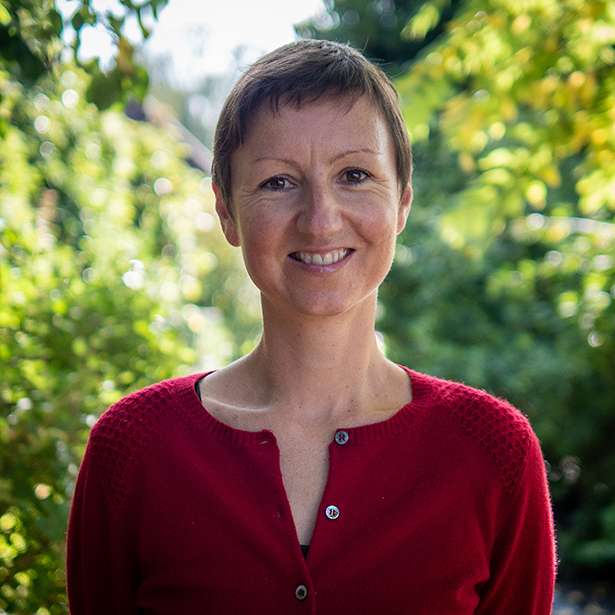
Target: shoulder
{"type": "Point", "coordinates": [494, 425]}
{"type": "Point", "coordinates": [141, 409]}
{"type": "Point", "coordinates": [126, 426]}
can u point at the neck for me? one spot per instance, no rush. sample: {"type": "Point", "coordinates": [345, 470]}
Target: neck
{"type": "Point", "coordinates": [321, 367]}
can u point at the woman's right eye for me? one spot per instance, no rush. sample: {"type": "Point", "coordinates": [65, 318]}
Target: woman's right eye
{"type": "Point", "coordinates": [276, 183]}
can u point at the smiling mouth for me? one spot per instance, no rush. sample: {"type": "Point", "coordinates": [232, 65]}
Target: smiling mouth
{"type": "Point", "coordinates": [325, 258]}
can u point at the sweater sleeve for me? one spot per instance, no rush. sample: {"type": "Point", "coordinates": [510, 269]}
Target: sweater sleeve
{"type": "Point", "coordinates": [101, 566]}
{"type": "Point", "coordinates": [523, 564]}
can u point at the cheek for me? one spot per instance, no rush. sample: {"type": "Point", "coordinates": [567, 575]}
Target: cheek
{"type": "Point", "coordinates": [379, 225]}
{"type": "Point", "coordinates": [257, 229]}
{"type": "Point", "coordinates": [379, 232]}
{"type": "Point", "coordinates": [253, 242]}
{"type": "Point", "coordinates": [261, 237]}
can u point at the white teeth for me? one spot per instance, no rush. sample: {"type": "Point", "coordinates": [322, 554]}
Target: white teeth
{"type": "Point", "coordinates": [322, 259]}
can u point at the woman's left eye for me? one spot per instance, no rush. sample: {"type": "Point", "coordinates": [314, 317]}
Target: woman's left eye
{"type": "Point", "coordinates": [355, 176]}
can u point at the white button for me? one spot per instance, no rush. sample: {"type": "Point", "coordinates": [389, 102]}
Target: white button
{"type": "Point", "coordinates": [301, 592]}
{"type": "Point", "coordinates": [332, 512]}
{"type": "Point", "coordinates": [341, 437]}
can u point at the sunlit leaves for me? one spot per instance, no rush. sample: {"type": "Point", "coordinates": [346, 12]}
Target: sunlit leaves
{"type": "Point", "coordinates": [537, 74]}
{"type": "Point", "coordinates": [425, 19]}
{"type": "Point", "coordinates": [32, 42]}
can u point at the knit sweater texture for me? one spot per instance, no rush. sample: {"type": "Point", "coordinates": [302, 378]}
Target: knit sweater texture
{"type": "Point", "coordinates": [442, 509]}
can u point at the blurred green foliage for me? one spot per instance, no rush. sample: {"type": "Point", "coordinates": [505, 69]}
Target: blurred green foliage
{"type": "Point", "coordinates": [505, 276]}
{"type": "Point", "coordinates": [113, 275]}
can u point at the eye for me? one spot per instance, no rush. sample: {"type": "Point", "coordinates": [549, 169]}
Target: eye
{"type": "Point", "coordinates": [355, 176]}
{"type": "Point", "coordinates": [276, 183]}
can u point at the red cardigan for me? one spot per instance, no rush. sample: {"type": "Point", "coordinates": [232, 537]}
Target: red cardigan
{"type": "Point", "coordinates": [443, 509]}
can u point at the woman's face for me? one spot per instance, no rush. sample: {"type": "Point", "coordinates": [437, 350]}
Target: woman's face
{"type": "Point", "coordinates": [316, 206]}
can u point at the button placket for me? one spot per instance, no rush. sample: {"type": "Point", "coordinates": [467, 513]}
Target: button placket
{"type": "Point", "coordinates": [341, 437]}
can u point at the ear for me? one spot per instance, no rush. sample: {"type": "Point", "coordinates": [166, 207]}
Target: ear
{"type": "Point", "coordinates": [229, 226]}
{"type": "Point", "coordinates": [405, 204]}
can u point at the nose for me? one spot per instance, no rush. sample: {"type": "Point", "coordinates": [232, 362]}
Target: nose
{"type": "Point", "coordinates": [320, 214]}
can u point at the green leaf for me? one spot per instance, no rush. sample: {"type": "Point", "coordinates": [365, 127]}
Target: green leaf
{"type": "Point", "coordinates": [423, 22]}
{"type": "Point", "coordinates": [5, 16]}
{"type": "Point", "coordinates": [104, 88]}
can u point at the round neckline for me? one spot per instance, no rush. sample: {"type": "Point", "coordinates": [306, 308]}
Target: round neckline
{"type": "Point", "coordinates": [420, 387]}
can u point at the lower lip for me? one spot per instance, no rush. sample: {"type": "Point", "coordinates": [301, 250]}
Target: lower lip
{"type": "Point", "coordinates": [323, 268]}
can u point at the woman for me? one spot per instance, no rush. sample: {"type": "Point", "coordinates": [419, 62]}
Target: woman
{"type": "Point", "coordinates": [203, 493]}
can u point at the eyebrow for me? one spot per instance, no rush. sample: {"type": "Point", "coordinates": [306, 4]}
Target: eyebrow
{"type": "Point", "coordinates": [292, 163]}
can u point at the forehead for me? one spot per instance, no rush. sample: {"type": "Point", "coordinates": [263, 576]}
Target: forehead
{"type": "Point", "coordinates": [327, 123]}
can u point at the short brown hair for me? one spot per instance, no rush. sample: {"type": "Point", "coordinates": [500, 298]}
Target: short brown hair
{"type": "Point", "coordinates": [302, 72]}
